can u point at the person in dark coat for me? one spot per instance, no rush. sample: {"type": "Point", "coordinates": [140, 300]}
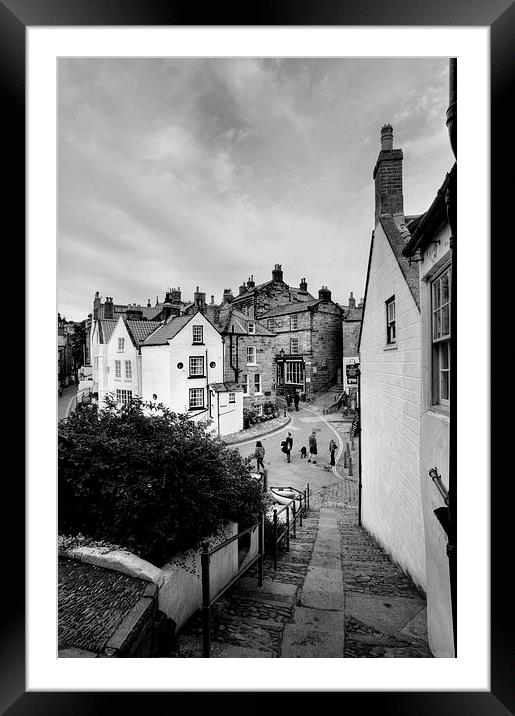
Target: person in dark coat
{"type": "Point", "coordinates": [312, 447]}
{"type": "Point", "coordinates": [332, 449]}
{"type": "Point", "coordinates": [259, 455]}
{"type": "Point", "coordinates": [288, 401]}
{"type": "Point", "coordinates": [296, 399]}
{"type": "Point", "coordinates": [288, 444]}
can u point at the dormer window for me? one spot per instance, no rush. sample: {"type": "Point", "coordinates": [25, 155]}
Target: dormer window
{"type": "Point", "coordinates": [251, 327]}
{"type": "Point", "coordinates": [198, 334]}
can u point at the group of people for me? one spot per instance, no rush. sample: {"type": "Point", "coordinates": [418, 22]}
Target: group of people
{"type": "Point", "coordinates": [295, 400]}
{"type": "Point", "coordinates": [287, 446]}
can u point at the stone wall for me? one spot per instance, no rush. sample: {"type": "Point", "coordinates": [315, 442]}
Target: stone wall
{"type": "Point", "coordinates": [265, 366]}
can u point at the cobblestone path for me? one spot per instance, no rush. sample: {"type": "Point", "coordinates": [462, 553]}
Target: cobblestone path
{"type": "Point", "coordinates": [335, 593]}
{"type": "Point", "coordinates": [248, 621]}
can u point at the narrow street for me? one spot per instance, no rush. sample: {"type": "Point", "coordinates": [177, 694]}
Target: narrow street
{"type": "Point", "coordinates": [299, 471]}
{"type": "Point", "coordinates": [335, 593]}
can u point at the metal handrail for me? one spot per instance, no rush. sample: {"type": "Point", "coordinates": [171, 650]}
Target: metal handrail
{"type": "Point", "coordinates": [290, 523]}
{"type": "Point", "coordinates": [207, 600]}
{"type": "Point", "coordinates": [437, 479]}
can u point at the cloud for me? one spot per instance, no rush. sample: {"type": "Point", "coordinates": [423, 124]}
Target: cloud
{"type": "Point", "coordinates": [200, 172]}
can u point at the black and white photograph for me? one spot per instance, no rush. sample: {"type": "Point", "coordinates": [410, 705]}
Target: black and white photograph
{"type": "Point", "coordinates": [256, 357]}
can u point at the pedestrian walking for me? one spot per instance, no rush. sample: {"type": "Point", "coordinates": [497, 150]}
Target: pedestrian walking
{"type": "Point", "coordinates": [296, 399]}
{"type": "Point", "coordinates": [288, 401]}
{"type": "Point", "coordinates": [312, 447]}
{"type": "Point", "coordinates": [260, 456]}
{"type": "Point", "coordinates": [332, 450]}
{"type": "Point", "coordinates": [287, 446]}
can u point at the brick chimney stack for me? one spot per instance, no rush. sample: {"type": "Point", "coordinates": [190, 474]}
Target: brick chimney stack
{"type": "Point", "coordinates": [277, 274]}
{"type": "Point", "coordinates": [227, 295]}
{"type": "Point", "coordinates": [352, 300]}
{"type": "Point", "coordinates": [388, 176]}
{"type": "Point", "coordinates": [242, 288]}
{"type": "Point", "coordinates": [251, 283]}
{"type": "Point", "coordinates": [199, 298]}
{"type": "Point", "coordinates": [324, 294]}
{"type": "Point", "coordinates": [109, 307]}
{"type": "Point", "coordinates": [303, 285]}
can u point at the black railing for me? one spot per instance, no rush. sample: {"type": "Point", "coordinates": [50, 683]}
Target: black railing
{"type": "Point", "coordinates": [207, 600]}
{"type": "Point", "coordinates": [290, 524]}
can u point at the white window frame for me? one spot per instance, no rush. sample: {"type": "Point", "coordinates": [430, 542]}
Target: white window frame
{"type": "Point", "coordinates": [251, 350]}
{"type": "Point", "coordinates": [118, 369]}
{"type": "Point", "coordinates": [232, 397]}
{"type": "Point", "coordinates": [121, 345]}
{"type": "Point", "coordinates": [251, 327]}
{"type": "Point", "coordinates": [194, 394]}
{"type": "Point", "coordinates": [258, 384]}
{"type": "Point", "coordinates": [195, 332]}
{"type": "Point", "coordinates": [294, 322]}
{"type": "Point", "coordinates": [128, 370]}
{"type": "Point", "coordinates": [440, 339]}
{"type": "Point", "coordinates": [293, 369]}
{"type": "Point", "coordinates": [391, 336]}
{"type": "Point", "coordinates": [123, 396]}
{"type": "Point", "coordinates": [196, 365]}
{"type": "Point", "coordinates": [294, 346]}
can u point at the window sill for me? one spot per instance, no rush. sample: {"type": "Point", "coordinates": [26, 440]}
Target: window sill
{"type": "Point", "coordinates": [439, 411]}
{"type": "Point", "coordinates": [252, 365]}
{"type": "Point", "coordinates": [196, 377]}
{"type": "Point", "coordinates": [259, 394]}
{"type": "Point", "coordinates": [390, 347]}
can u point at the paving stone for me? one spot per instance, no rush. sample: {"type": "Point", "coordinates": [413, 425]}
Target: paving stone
{"type": "Point", "coordinates": [389, 614]}
{"type": "Point", "coordinates": [323, 589]}
{"type": "Point", "coordinates": [315, 634]}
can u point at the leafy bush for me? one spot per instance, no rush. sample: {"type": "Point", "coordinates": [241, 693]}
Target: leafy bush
{"type": "Point", "coordinates": [151, 480]}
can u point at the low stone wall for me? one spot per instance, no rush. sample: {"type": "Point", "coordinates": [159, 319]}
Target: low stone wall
{"type": "Point", "coordinates": [178, 582]}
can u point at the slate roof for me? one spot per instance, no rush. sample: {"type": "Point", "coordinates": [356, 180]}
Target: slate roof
{"type": "Point", "coordinates": [291, 308]}
{"type": "Point", "coordinates": [228, 386]}
{"type": "Point", "coordinates": [167, 330]}
{"type": "Point", "coordinates": [302, 295]}
{"type": "Point", "coordinates": [398, 235]}
{"type": "Point", "coordinates": [353, 314]}
{"type": "Point", "coordinates": [297, 293]}
{"type": "Point", "coordinates": [230, 317]}
{"type": "Point", "coordinates": [106, 328]}
{"type": "Point", "coordinates": [141, 330]}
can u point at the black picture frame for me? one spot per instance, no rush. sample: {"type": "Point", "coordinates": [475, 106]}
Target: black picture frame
{"type": "Point", "coordinates": [15, 17]}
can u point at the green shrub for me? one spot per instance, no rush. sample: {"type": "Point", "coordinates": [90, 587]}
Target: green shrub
{"type": "Point", "coordinates": [148, 479]}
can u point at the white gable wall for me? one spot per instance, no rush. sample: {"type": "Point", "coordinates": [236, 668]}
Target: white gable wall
{"type": "Point", "coordinates": [129, 353]}
{"type": "Point", "coordinates": [390, 415]}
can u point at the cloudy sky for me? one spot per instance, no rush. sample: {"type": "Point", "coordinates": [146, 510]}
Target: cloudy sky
{"type": "Point", "coordinates": [186, 172]}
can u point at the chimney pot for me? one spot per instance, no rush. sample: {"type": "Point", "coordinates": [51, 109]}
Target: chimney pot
{"type": "Point", "coordinates": [386, 137]}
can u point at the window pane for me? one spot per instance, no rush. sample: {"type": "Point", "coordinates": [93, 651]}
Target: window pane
{"type": "Point", "coordinates": [445, 320]}
{"type": "Point", "coordinates": [444, 385]}
{"type": "Point", "coordinates": [445, 287]}
{"type": "Point", "coordinates": [437, 324]}
{"type": "Point", "coordinates": [436, 294]}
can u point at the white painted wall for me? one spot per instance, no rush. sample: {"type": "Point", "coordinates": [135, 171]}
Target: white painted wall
{"type": "Point", "coordinates": [180, 596]}
{"type": "Point", "coordinates": [129, 353]}
{"type": "Point", "coordinates": [390, 385]}
{"type": "Point", "coordinates": [161, 376]}
{"type": "Point", "coordinates": [230, 414]}
{"type": "Point", "coordinates": [434, 452]}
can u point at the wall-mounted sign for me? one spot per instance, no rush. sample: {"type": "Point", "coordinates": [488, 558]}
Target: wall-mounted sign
{"type": "Point", "coordinates": [351, 371]}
